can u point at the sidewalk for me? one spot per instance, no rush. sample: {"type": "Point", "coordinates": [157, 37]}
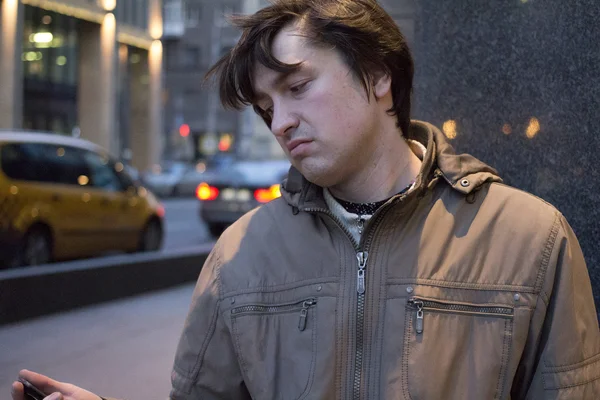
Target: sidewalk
{"type": "Point", "coordinates": [122, 349]}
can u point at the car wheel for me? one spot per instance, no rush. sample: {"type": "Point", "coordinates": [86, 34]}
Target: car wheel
{"type": "Point", "coordinates": [151, 237]}
{"type": "Point", "coordinates": [216, 229]}
{"type": "Point", "coordinates": [36, 248]}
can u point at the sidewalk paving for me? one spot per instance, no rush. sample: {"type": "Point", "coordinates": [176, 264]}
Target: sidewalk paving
{"type": "Point", "coordinates": [121, 349]}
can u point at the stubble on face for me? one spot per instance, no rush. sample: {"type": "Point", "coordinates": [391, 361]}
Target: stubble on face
{"type": "Point", "coordinates": [334, 111]}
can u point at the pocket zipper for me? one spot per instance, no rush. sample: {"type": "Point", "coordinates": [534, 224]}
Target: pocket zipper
{"type": "Point", "coordinates": [422, 304]}
{"type": "Point", "coordinates": [304, 305]}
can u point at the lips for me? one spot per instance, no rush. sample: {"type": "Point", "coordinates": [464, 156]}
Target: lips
{"type": "Point", "coordinates": [291, 145]}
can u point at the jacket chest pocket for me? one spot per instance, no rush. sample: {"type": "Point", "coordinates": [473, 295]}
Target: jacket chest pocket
{"type": "Point", "coordinates": [455, 350]}
{"type": "Point", "coordinates": [276, 346]}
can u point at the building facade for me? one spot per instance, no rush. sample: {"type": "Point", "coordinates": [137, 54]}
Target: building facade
{"type": "Point", "coordinates": [88, 68]}
{"type": "Point", "coordinates": [516, 84]}
{"type": "Point", "coordinates": [196, 34]}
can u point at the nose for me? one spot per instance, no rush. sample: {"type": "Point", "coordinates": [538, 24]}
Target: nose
{"type": "Point", "coordinates": [283, 121]}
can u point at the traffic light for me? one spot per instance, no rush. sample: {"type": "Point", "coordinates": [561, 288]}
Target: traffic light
{"type": "Point", "coordinates": [184, 130]}
{"type": "Point", "coordinates": [225, 142]}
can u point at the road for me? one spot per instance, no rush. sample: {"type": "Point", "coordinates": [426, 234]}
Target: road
{"type": "Point", "coordinates": [184, 228]}
{"type": "Point", "coordinates": [122, 349]}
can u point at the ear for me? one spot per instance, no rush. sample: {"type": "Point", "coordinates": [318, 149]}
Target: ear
{"type": "Point", "coordinates": [382, 84]}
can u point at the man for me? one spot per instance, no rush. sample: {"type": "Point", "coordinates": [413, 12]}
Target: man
{"type": "Point", "coordinates": [391, 268]}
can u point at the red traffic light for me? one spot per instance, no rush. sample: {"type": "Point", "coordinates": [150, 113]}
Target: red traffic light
{"type": "Point", "coordinates": [184, 130]}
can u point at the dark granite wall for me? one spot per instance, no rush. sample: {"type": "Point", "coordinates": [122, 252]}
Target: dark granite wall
{"type": "Point", "coordinates": [491, 67]}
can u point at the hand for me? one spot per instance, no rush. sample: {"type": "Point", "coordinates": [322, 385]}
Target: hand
{"type": "Point", "coordinates": [55, 390]}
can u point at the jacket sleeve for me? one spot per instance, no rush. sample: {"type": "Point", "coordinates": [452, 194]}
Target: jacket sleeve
{"type": "Point", "coordinates": [205, 364]}
{"type": "Point", "coordinates": [564, 360]}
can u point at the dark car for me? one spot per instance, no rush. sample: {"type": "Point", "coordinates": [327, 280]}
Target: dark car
{"type": "Point", "coordinates": [188, 183]}
{"type": "Point", "coordinates": [228, 194]}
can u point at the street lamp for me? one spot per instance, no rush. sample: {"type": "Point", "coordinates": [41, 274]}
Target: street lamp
{"type": "Point", "coordinates": [109, 5]}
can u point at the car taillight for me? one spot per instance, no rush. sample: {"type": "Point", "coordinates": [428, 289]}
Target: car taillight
{"type": "Point", "coordinates": [266, 195]}
{"type": "Point", "coordinates": [206, 192]}
{"type": "Point", "coordinates": [160, 211]}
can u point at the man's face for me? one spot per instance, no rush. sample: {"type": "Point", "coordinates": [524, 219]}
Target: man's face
{"type": "Point", "coordinates": [320, 114]}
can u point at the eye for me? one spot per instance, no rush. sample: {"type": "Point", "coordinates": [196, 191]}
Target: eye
{"type": "Point", "coordinates": [297, 89]}
{"type": "Point", "coordinates": [262, 111]}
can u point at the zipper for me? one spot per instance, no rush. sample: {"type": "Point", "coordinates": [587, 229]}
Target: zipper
{"type": "Point", "coordinates": [362, 256]}
{"type": "Point", "coordinates": [361, 224]}
{"type": "Point", "coordinates": [304, 313]}
{"type": "Point", "coordinates": [422, 305]}
{"type": "Point", "coordinates": [303, 306]}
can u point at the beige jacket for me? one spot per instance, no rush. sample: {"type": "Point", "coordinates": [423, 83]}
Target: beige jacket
{"type": "Point", "coordinates": [464, 288]}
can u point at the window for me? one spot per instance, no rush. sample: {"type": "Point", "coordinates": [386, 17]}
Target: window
{"type": "Point", "coordinates": [126, 180]}
{"type": "Point", "coordinates": [225, 50]}
{"type": "Point", "coordinates": [143, 14]}
{"type": "Point", "coordinates": [191, 92]}
{"type": "Point", "coordinates": [44, 163]}
{"type": "Point", "coordinates": [171, 51]}
{"type": "Point", "coordinates": [17, 163]}
{"type": "Point", "coordinates": [172, 12]}
{"type": "Point", "coordinates": [50, 46]}
{"type": "Point", "coordinates": [49, 56]}
{"type": "Point", "coordinates": [68, 165]}
{"type": "Point", "coordinates": [191, 57]}
{"type": "Point", "coordinates": [225, 11]}
{"type": "Point", "coordinates": [192, 13]}
{"type": "Point", "coordinates": [102, 171]}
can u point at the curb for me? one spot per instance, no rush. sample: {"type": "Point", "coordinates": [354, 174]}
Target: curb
{"type": "Point", "coordinates": [36, 291]}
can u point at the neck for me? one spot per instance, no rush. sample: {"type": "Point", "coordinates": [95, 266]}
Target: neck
{"type": "Point", "coordinates": [392, 167]}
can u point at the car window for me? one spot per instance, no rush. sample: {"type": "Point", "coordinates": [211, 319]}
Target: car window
{"type": "Point", "coordinates": [41, 162]}
{"type": "Point", "coordinates": [126, 179]}
{"type": "Point", "coordinates": [220, 161]}
{"type": "Point", "coordinates": [174, 168]}
{"type": "Point", "coordinates": [102, 172]}
{"type": "Point", "coordinates": [131, 173]}
{"type": "Point", "coordinates": [18, 162]}
{"type": "Point", "coordinates": [269, 170]}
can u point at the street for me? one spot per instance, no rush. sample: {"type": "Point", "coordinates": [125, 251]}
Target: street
{"type": "Point", "coordinates": [122, 349]}
{"type": "Point", "coordinates": [183, 225]}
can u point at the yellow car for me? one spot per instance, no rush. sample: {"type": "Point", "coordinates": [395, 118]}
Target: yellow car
{"type": "Point", "coordinates": [64, 198]}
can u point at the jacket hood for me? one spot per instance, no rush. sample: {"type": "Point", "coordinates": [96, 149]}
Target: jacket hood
{"type": "Point", "coordinates": [463, 172]}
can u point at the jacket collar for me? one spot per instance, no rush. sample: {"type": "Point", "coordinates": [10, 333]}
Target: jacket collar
{"type": "Point", "coordinates": [463, 172]}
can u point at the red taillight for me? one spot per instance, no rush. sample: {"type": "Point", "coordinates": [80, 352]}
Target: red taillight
{"type": "Point", "coordinates": [266, 195]}
{"type": "Point", "coordinates": [160, 211]}
{"type": "Point", "coordinates": [206, 192]}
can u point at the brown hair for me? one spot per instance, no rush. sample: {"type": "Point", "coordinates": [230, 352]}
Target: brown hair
{"type": "Point", "coordinates": [366, 37]}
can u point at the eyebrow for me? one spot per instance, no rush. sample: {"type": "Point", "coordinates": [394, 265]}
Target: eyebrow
{"type": "Point", "coordinates": [280, 80]}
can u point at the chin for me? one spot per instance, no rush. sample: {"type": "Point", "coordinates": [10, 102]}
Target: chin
{"type": "Point", "coordinates": [317, 174]}
{"type": "Point", "coordinates": [317, 180]}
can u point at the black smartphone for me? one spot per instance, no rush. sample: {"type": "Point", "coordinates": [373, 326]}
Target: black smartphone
{"type": "Point", "coordinates": [31, 392]}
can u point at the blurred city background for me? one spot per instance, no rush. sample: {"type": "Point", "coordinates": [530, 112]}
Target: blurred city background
{"type": "Point", "coordinates": [111, 145]}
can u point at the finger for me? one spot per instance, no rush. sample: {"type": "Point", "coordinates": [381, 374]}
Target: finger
{"type": "Point", "coordinates": [54, 396]}
{"type": "Point", "coordinates": [17, 391]}
{"type": "Point", "coordinates": [42, 382]}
